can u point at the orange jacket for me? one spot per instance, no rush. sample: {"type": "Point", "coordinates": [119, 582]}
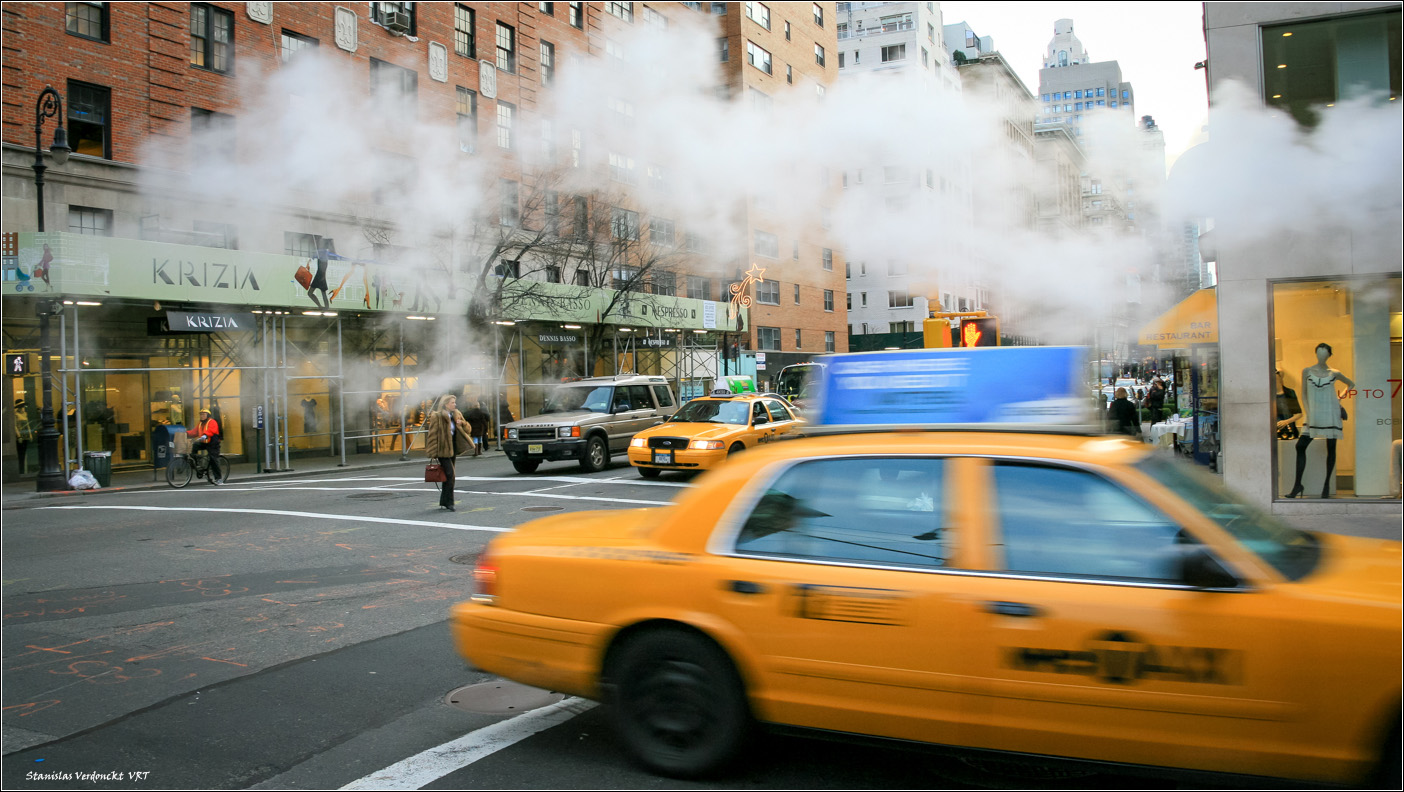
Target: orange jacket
{"type": "Point", "coordinates": [208, 429]}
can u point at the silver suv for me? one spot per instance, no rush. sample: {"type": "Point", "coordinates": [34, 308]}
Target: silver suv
{"type": "Point", "coordinates": [587, 420]}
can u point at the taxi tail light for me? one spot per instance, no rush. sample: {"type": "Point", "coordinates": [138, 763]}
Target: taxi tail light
{"type": "Point", "coordinates": [485, 579]}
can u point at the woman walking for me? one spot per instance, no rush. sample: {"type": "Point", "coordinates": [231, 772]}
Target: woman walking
{"type": "Point", "coordinates": [445, 437]}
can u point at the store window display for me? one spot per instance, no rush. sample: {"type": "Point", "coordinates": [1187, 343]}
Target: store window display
{"type": "Point", "coordinates": [1324, 416]}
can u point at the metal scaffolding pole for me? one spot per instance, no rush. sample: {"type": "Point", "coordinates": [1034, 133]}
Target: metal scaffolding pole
{"type": "Point", "coordinates": [268, 424]}
{"type": "Point", "coordinates": [63, 386]}
{"type": "Point", "coordinates": [341, 388]}
{"type": "Point", "coordinates": [78, 385]}
{"type": "Point", "coordinates": [404, 452]}
{"type": "Point", "coordinates": [283, 412]}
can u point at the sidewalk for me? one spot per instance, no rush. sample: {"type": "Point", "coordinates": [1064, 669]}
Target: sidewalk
{"type": "Point", "coordinates": [20, 489]}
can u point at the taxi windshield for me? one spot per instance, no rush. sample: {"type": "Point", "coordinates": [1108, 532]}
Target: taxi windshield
{"type": "Point", "coordinates": [1292, 552]}
{"type": "Point", "coordinates": [714, 411]}
{"type": "Point", "coordinates": [578, 397]}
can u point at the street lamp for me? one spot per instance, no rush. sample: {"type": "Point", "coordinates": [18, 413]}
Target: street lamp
{"type": "Point", "coordinates": [51, 477]}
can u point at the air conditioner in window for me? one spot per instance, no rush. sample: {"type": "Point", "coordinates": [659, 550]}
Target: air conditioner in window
{"type": "Point", "coordinates": [397, 21]}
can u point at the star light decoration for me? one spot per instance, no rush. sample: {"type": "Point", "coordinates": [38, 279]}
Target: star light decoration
{"type": "Point", "coordinates": [738, 290]}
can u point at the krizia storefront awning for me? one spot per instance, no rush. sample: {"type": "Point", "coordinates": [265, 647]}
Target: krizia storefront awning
{"type": "Point", "coordinates": [1195, 320]}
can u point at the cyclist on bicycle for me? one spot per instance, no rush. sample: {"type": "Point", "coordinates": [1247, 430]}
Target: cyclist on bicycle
{"type": "Point", "coordinates": [206, 434]}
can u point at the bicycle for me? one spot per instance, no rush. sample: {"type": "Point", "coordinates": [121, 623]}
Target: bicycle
{"type": "Point", "coordinates": [184, 467]}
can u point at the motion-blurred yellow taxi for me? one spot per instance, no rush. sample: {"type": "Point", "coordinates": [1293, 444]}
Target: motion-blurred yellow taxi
{"type": "Point", "coordinates": [1046, 592]}
{"type": "Point", "coordinates": [709, 429]}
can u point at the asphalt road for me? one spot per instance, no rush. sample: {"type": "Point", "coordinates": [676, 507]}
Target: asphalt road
{"type": "Point", "coordinates": [292, 634]}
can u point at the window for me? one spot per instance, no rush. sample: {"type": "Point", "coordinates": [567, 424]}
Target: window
{"type": "Point", "coordinates": [394, 16]}
{"type": "Point", "coordinates": [621, 169]}
{"type": "Point", "coordinates": [850, 301]}
{"type": "Point", "coordinates": [1077, 94]}
{"type": "Point", "coordinates": [787, 31]}
{"type": "Point", "coordinates": [655, 19]}
{"type": "Point", "coordinates": [874, 510]}
{"type": "Point", "coordinates": [549, 9]}
{"type": "Point", "coordinates": [863, 269]}
{"type": "Point", "coordinates": [900, 327]}
{"type": "Point", "coordinates": [789, 74]}
{"type": "Point", "coordinates": [840, 63]}
{"type": "Point", "coordinates": [211, 38]}
{"type": "Point", "coordinates": [293, 43]}
{"type": "Point", "coordinates": [818, 15]}
{"type": "Point", "coordinates": [798, 342]}
{"type": "Point", "coordinates": [767, 244]}
{"type": "Point", "coordinates": [1100, 530]}
{"type": "Point", "coordinates": [662, 233]}
{"type": "Point", "coordinates": [828, 341]}
{"type": "Point", "coordinates": [506, 115]}
{"type": "Point", "coordinates": [794, 251]}
{"type": "Point", "coordinates": [758, 57]}
{"type": "Point", "coordinates": [509, 207]}
{"type": "Point", "coordinates": [829, 300]}
{"type": "Point", "coordinates": [1308, 66]}
{"type": "Point", "coordinates": [624, 225]}
{"type": "Point", "coordinates": [896, 22]}
{"type": "Point", "coordinates": [577, 16]}
{"type": "Point", "coordinates": [768, 292]}
{"type": "Point", "coordinates": [819, 55]}
{"type": "Point", "coordinates": [88, 110]}
{"type": "Point", "coordinates": [304, 245]}
{"type": "Point", "coordinates": [211, 136]}
{"type": "Point", "coordinates": [624, 11]}
{"type": "Point", "coordinates": [216, 235]}
{"type": "Point", "coordinates": [797, 294]}
{"type": "Point", "coordinates": [1113, 103]}
{"type": "Point", "coordinates": [899, 299]}
{"type": "Point", "coordinates": [930, 33]}
{"type": "Point", "coordinates": [508, 269]}
{"type": "Point", "coordinates": [1101, 92]}
{"type": "Point", "coordinates": [699, 288]}
{"type": "Point", "coordinates": [856, 58]}
{"type": "Point", "coordinates": [553, 274]}
{"type": "Point", "coordinates": [863, 301]}
{"type": "Point", "coordinates": [582, 277]}
{"type": "Point", "coordinates": [768, 338]}
{"type": "Point", "coordinates": [758, 13]}
{"type": "Point", "coordinates": [89, 222]}
{"type": "Point", "coordinates": [88, 20]}
{"type": "Point", "coordinates": [719, 9]}
{"type": "Point", "coordinates": [506, 48]}
{"type": "Point", "coordinates": [613, 49]}
{"type": "Point", "coordinates": [552, 210]}
{"type": "Point", "coordinates": [467, 120]}
{"type": "Point", "coordinates": [577, 148]}
{"type": "Point", "coordinates": [925, 58]}
{"type": "Point", "coordinates": [465, 39]}
{"type": "Point", "coordinates": [664, 283]}
{"type": "Point", "coordinates": [724, 49]}
{"type": "Point", "coordinates": [1077, 106]}
{"type": "Point", "coordinates": [828, 259]}
{"type": "Point", "coordinates": [548, 62]}
{"type": "Point", "coordinates": [582, 217]}
{"type": "Point", "coordinates": [624, 278]}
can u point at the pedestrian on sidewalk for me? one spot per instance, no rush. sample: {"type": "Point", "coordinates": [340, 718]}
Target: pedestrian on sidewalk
{"type": "Point", "coordinates": [446, 436]}
{"type": "Point", "coordinates": [478, 422]}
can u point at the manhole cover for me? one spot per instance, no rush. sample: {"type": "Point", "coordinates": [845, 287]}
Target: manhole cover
{"type": "Point", "coordinates": [500, 698]}
{"type": "Point", "coordinates": [465, 558]}
{"type": "Point", "coordinates": [379, 495]}
{"type": "Point", "coordinates": [542, 508]}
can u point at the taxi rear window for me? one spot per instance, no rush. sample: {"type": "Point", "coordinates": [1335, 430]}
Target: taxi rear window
{"type": "Point", "coordinates": [1292, 552]}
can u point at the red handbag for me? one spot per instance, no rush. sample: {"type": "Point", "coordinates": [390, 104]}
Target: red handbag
{"type": "Point", "coordinates": [434, 472]}
{"type": "Point", "coordinates": [304, 277]}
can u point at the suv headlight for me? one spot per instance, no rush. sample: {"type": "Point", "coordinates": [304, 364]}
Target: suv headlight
{"type": "Point", "coordinates": [511, 434]}
{"type": "Point", "coordinates": [707, 445]}
{"type": "Point", "coordinates": [638, 442]}
{"type": "Point", "coordinates": [568, 431]}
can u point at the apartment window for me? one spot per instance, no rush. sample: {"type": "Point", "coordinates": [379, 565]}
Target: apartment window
{"type": "Point", "coordinates": [656, 179]}
{"type": "Point", "coordinates": [1077, 106]}
{"type": "Point", "coordinates": [216, 235]}
{"type": "Point", "coordinates": [758, 13]}
{"type": "Point", "coordinates": [799, 343]}
{"type": "Point", "coordinates": [857, 59]}
{"type": "Point", "coordinates": [582, 217]}
{"type": "Point", "coordinates": [89, 222]}
{"type": "Point", "coordinates": [211, 135]}
{"type": "Point", "coordinates": [719, 9]}
{"type": "Point", "coordinates": [655, 19]}
{"type": "Point", "coordinates": [724, 49]}
{"type": "Point", "coordinates": [506, 48]}
{"type": "Point", "coordinates": [88, 20]}
{"type": "Point", "coordinates": [1077, 94]}
{"type": "Point", "coordinates": [829, 300]}
{"type": "Point", "coordinates": [849, 302]}
{"type": "Point", "coordinates": [662, 232]}
{"type": "Point", "coordinates": [553, 274]}
{"type": "Point", "coordinates": [577, 16]}
{"type": "Point", "coordinates": [693, 242]}
{"type": "Point", "coordinates": [548, 141]}
{"type": "Point", "coordinates": [508, 268]}
{"type": "Point", "coordinates": [819, 55]}
{"type": "Point", "coordinates": [293, 43]}
{"type": "Point", "coordinates": [553, 216]}
{"type": "Point", "coordinates": [768, 338]}
{"type": "Point", "coordinates": [818, 15]}
{"type": "Point", "coordinates": [509, 209]}
{"type": "Point", "coordinates": [622, 278]}
{"type": "Point", "coordinates": [549, 9]}
{"type": "Point", "coordinates": [88, 110]}
{"type": "Point", "coordinates": [395, 87]}
{"type": "Point", "coordinates": [467, 120]}
{"type": "Point", "coordinates": [613, 49]}
{"type": "Point", "coordinates": [789, 75]}
{"type": "Point", "coordinates": [304, 245]}
{"type": "Point", "coordinates": [758, 57]}
{"type": "Point", "coordinates": [787, 31]}
{"type": "Point", "coordinates": [465, 40]}
{"type": "Point", "coordinates": [1101, 91]}
{"type": "Point", "coordinates": [211, 38]}
{"type": "Point", "coordinates": [842, 30]}
{"type": "Point", "coordinates": [623, 108]}
{"type": "Point", "coordinates": [896, 22]}
{"type": "Point", "coordinates": [899, 299]}
{"type": "Point", "coordinates": [577, 148]}
{"type": "Point", "coordinates": [901, 327]}
{"type": "Point", "coordinates": [664, 284]}
{"type": "Point", "coordinates": [930, 33]}
{"type": "Point", "coordinates": [840, 63]}
{"type": "Point", "coordinates": [828, 341]}
{"type": "Point", "coordinates": [388, 14]}
{"type": "Point", "coordinates": [1101, 103]}
{"type": "Point", "coordinates": [582, 277]}
{"type": "Point", "coordinates": [1113, 103]}
{"type": "Point", "coordinates": [862, 268]}
{"type": "Point", "coordinates": [797, 294]}
{"type": "Point", "coordinates": [624, 11]}
{"type": "Point", "coordinates": [768, 292]}
{"type": "Point", "coordinates": [767, 244]}
{"type": "Point", "coordinates": [925, 58]}
{"type": "Point", "coordinates": [548, 62]}
{"type": "Point", "coordinates": [828, 257]}
{"type": "Point", "coordinates": [621, 169]}
{"type": "Point", "coordinates": [506, 116]}
{"type": "Point", "coordinates": [794, 251]}
{"type": "Point", "coordinates": [624, 225]}
{"type": "Point", "coordinates": [699, 288]}
{"type": "Point", "coordinates": [863, 301]}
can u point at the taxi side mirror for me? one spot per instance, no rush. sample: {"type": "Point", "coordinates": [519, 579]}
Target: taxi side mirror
{"type": "Point", "coordinates": [1201, 570]}
{"type": "Point", "coordinates": [760, 419]}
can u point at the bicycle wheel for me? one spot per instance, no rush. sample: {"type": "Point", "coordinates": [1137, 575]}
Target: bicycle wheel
{"type": "Point", "coordinates": [218, 472]}
{"type": "Point", "coordinates": [179, 472]}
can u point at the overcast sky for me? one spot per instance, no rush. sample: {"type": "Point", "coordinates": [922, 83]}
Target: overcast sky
{"type": "Point", "coordinates": [1156, 44]}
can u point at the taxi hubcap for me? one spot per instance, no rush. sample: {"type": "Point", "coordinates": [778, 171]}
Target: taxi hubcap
{"type": "Point", "coordinates": [672, 703]}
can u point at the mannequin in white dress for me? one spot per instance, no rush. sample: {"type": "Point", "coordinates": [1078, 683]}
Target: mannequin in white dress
{"type": "Point", "coordinates": [1323, 416]}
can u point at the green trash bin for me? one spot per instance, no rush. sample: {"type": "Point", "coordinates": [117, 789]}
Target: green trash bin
{"type": "Point", "coordinates": [99, 463]}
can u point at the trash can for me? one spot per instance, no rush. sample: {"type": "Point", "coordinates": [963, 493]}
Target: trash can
{"type": "Point", "coordinates": [99, 463]}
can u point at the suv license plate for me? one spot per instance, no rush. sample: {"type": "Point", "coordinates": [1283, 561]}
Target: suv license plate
{"type": "Point", "coordinates": [662, 457]}
{"type": "Point", "coordinates": [534, 448]}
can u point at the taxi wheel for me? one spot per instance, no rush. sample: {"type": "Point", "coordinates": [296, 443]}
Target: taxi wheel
{"type": "Point", "coordinates": [736, 448]}
{"type": "Point", "coordinates": [678, 704]}
{"type": "Point", "coordinates": [526, 467]}
{"type": "Point", "coordinates": [596, 455]}
{"type": "Point", "coordinates": [649, 472]}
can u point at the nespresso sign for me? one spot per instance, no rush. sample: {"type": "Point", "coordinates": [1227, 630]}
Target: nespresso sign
{"type": "Point", "coordinates": [187, 322]}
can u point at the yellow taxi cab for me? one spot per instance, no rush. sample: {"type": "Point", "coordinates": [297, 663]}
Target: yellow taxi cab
{"type": "Point", "coordinates": [1048, 592]}
{"type": "Point", "coordinates": [707, 430]}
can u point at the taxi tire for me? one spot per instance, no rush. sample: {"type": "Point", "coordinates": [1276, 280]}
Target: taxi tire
{"type": "Point", "coordinates": [648, 472]}
{"type": "Point", "coordinates": [677, 703]}
{"type": "Point", "coordinates": [526, 467]}
{"type": "Point", "coordinates": [596, 456]}
{"type": "Point", "coordinates": [736, 448]}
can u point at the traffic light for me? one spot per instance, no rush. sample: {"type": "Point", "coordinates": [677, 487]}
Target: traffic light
{"type": "Point", "coordinates": [979, 332]}
{"type": "Point", "coordinates": [936, 333]}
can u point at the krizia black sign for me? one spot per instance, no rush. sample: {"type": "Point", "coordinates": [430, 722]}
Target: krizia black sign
{"type": "Point", "coordinates": [187, 322]}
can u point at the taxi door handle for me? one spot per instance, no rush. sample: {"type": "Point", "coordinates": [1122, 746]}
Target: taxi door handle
{"type": "Point", "coordinates": [745, 587]}
{"type": "Point", "coordinates": [1013, 609]}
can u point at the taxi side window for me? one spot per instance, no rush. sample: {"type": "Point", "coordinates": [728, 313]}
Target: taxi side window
{"type": "Point", "coordinates": [665, 399]}
{"type": "Point", "coordinates": [885, 511]}
{"type": "Point", "coordinates": [778, 411]}
{"type": "Point", "coordinates": [758, 411]}
{"type": "Point", "coordinates": [1062, 521]}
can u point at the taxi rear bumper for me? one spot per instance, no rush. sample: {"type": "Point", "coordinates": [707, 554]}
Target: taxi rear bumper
{"type": "Point", "coordinates": [542, 651]}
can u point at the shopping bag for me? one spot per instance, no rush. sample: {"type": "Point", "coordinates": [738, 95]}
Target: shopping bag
{"type": "Point", "coordinates": [434, 472]}
{"type": "Point", "coordinates": [304, 277]}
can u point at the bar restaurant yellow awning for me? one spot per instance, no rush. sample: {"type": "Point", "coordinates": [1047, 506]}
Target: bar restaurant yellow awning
{"type": "Point", "coordinates": [1195, 320]}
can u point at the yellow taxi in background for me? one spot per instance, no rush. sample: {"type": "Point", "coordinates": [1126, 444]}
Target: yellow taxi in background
{"type": "Point", "coordinates": [707, 430]}
{"type": "Point", "coordinates": [1044, 592]}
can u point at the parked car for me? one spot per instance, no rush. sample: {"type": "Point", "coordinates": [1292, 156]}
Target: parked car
{"type": "Point", "coordinates": [588, 420]}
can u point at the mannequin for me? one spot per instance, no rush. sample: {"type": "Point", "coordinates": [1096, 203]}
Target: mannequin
{"type": "Point", "coordinates": [1289, 411]}
{"type": "Point", "coordinates": [1323, 416]}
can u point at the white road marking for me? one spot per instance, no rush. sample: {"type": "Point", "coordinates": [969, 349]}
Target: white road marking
{"type": "Point", "coordinates": [227, 488]}
{"type": "Point", "coordinates": [435, 763]}
{"type": "Point", "coordinates": [313, 515]}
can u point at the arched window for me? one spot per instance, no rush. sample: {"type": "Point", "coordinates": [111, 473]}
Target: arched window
{"type": "Point", "coordinates": [1062, 57]}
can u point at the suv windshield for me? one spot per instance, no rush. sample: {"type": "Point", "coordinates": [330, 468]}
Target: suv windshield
{"type": "Point", "coordinates": [714, 411]}
{"type": "Point", "coordinates": [579, 397]}
{"type": "Point", "coordinates": [1293, 553]}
